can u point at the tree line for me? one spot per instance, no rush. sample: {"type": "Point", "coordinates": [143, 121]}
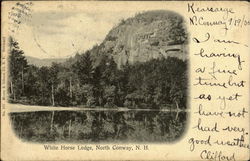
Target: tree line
{"type": "Point", "coordinates": [88, 80]}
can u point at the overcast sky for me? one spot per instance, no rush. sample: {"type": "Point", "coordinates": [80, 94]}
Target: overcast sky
{"type": "Point", "coordinates": [60, 34]}
{"type": "Point", "coordinates": [62, 28]}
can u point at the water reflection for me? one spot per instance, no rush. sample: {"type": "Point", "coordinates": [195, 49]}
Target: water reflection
{"type": "Point", "coordinates": [99, 126]}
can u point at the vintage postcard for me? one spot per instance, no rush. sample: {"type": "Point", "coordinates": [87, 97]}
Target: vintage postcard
{"type": "Point", "coordinates": [125, 80]}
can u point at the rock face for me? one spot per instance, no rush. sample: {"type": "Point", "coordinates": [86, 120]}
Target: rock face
{"type": "Point", "coordinates": [146, 36]}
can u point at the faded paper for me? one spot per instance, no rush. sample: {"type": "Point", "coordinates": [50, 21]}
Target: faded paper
{"type": "Point", "coordinates": [207, 118]}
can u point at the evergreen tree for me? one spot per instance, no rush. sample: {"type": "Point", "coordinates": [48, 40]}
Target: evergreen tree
{"type": "Point", "coordinates": [17, 68]}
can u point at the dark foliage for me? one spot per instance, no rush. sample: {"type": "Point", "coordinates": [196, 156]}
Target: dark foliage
{"type": "Point", "coordinates": [96, 81]}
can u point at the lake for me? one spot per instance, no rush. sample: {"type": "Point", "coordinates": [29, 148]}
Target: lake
{"type": "Point", "coordinates": [92, 126]}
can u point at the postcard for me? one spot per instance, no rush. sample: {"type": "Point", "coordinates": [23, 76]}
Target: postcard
{"type": "Point", "coordinates": [125, 80]}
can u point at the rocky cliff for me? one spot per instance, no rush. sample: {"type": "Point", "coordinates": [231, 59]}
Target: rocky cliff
{"type": "Point", "coordinates": [146, 36]}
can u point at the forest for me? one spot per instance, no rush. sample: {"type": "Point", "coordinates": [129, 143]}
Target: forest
{"type": "Point", "coordinates": [92, 79]}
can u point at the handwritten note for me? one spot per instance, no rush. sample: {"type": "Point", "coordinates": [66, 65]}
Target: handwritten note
{"type": "Point", "coordinates": [220, 117]}
{"type": "Point", "coordinates": [217, 128]}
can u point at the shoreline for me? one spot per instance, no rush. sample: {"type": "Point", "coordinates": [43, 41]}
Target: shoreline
{"type": "Point", "coordinates": [16, 108]}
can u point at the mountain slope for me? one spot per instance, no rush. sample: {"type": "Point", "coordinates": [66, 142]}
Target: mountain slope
{"type": "Point", "coordinates": [43, 62]}
{"type": "Point", "coordinates": [146, 36]}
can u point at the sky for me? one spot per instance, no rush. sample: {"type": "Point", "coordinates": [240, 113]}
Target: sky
{"type": "Point", "coordinates": [60, 29]}
{"type": "Point", "coordinates": [63, 33]}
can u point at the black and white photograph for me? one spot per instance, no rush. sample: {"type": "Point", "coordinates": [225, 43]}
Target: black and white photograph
{"type": "Point", "coordinates": [115, 77]}
{"type": "Point", "coordinates": [125, 80]}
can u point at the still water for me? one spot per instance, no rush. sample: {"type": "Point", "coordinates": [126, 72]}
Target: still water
{"type": "Point", "coordinates": [99, 126]}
